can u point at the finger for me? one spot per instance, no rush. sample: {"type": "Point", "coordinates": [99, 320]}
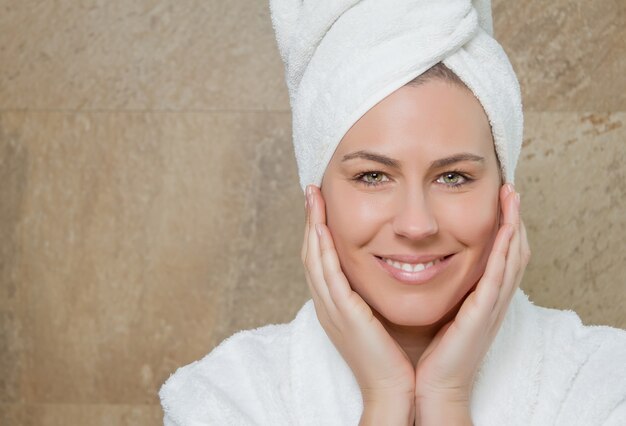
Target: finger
{"type": "Point", "coordinates": [524, 258]}
{"type": "Point", "coordinates": [488, 287]}
{"type": "Point", "coordinates": [509, 209]}
{"type": "Point", "coordinates": [305, 252]}
{"type": "Point", "coordinates": [307, 223]}
{"type": "Point", "coordinates": [319, 206]}
{"type": "Point", "coordinates": [521, 249]}
{"type": "Point", "coordinates": [313, 259]}
{"type": "Point", "coordinates": [505, 190]}
{"type": "Point", "coordinates": [338, 285]}
{"type": "Point", "coordinates": [515, 256]}
{"type": "Point", "coordinates": [526, 253]}
{"type": "Point", "coordinates": [513, 268]}
{"type": "Point", "coordinates": [305, 239]}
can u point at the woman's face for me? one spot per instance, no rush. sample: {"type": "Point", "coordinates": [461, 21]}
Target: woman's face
{"type": "Point", "coordinates": [415, 179]}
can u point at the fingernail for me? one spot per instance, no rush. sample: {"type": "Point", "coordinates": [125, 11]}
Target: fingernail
{"type": "Point", "coordinates": [309, 195]}
{"type": "Point", "coordinates": [508, 189]}
{"type": "Point", "coordinates": [517, 199]}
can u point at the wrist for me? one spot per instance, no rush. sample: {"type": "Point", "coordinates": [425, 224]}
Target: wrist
{"type": "Point", "coordinates": [390, 413]}
{"type": "Point", "coordinates": [388, 409]}
{"type": "Point", "coordinates": [453, 412]}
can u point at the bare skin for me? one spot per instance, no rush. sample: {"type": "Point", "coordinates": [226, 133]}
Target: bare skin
{"type": "Point", "coordinates": [414, 344]}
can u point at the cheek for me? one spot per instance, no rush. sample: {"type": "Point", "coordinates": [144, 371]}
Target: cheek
{"type": "Point", "coordinates": [473, 220]}
{"type": "Point", "coordinates": [474, 223]}
{"type": "Point", "coordinates": [352, 217]}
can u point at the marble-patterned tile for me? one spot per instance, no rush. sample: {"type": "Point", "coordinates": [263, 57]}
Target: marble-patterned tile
{"type": "Point", "coordinates": [127, 242]}
{"type": "Point", "coordinates": [147, 54]}
{"type": "Point", "coordinates": [155, 54]}
{"type": "Point", "coordinates": [269, 286]}
{"type": "Point", "coordinates": [80, 414]}
{"type": "Point", "coordinates": [12, 184]}
{"type": "Point", "coordinates": [571, 175]}
{"type": "Point", "coordinates": [569, 55]}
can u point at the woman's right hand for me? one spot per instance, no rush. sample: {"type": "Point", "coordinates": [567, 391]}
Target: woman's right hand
{"type": "Point", "coordinates": [381, 367]}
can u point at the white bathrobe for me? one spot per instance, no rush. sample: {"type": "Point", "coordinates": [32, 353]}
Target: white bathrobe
{"type": "Point", "coordinates": [544, 368]}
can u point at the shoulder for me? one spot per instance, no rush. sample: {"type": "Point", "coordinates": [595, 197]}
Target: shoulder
{"type": "Point", "coordinates": [585, 365]}
{"type": "Point", "coordinates": [563, 329]}
{"type": "Point", "coordinates": [234, 383]}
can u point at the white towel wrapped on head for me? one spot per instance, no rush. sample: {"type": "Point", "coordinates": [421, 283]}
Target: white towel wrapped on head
{"type": "Point", "coordinates": [342, 57]}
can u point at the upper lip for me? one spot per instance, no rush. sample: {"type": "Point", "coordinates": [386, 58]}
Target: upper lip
{"type": "Point", "coordinates": [410, 258]}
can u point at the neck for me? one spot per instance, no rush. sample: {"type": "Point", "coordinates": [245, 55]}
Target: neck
{"type": "Point", "coordinates": [415, 339]}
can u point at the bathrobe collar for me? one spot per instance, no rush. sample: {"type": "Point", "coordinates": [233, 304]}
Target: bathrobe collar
{"type": "Point", "coordinates": [324, 389]}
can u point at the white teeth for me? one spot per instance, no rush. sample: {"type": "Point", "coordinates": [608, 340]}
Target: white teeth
{"type": "Point", "coordinates": [409, 267]}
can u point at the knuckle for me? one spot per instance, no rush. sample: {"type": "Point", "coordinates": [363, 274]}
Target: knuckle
{"type": "Point", "coordinates": [306, 261]}
{"type": "Point", "coordinates": [326, 273]}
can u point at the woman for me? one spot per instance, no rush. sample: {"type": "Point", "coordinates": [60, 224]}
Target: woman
{"type": "Point", "coordinates": [413, 249]}
{"type": "Point", "coordinates": [413, 238]}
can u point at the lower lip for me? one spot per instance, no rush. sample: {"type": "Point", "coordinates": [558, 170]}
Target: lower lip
{"type": "Point", "coordinates": [419, 277]}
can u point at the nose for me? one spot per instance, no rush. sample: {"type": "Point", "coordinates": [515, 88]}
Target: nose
{"type": "Point", "coordinates": [414, 219]}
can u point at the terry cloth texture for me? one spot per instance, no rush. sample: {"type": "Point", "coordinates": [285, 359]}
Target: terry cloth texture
{"type": "Point", "coordinates": [544, 368]}
{"type": "Point", "coordinates": [342, 57]}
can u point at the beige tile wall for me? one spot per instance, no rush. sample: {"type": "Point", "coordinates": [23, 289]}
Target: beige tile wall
{"type": "Point", "coordinates": [149, 204]}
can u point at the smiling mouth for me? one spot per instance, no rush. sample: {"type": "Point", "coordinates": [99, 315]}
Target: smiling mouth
{"type": "Point", "coordinates": [411, 267]}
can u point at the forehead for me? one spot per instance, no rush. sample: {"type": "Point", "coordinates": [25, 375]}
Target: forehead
{"type": "Point", "coordinates": [434, 118]}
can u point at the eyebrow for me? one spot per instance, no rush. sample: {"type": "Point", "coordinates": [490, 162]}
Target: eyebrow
{"type": "Point", "coordinates": [367, 155]}
{"type": "Point", "coordinates": [387, 161]}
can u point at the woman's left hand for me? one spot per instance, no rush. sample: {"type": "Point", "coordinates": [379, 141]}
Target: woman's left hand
{"type": "Point", "coordinates": [445, 372]}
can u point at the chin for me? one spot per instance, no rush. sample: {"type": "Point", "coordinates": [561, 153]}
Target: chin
{"type": "Point", "coordinates": [414, 311]}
